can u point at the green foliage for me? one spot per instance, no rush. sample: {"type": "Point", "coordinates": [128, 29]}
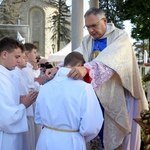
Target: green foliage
{"type": "Point", "coordinates": [112, 11]}
{"type": "Point", "coordinates": [138, 12]}
{"type": "Point", "coordinates": [60, 23]}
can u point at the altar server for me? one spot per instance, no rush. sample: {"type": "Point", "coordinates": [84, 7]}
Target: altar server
{"type": "Point", "coordinates": [13, 120]}
{"type": "Point", "coordinates": [68, 110]}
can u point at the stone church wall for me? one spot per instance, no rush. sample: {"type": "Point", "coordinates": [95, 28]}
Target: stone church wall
{"type": "Point", "coordinates": [35, 15]}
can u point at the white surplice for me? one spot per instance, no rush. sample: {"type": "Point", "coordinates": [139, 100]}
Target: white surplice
{"type": "Point", "coordinates": [69, 104]}
{"type": "Point", "coordinates": [32, 85]}
{"type": "Point", "coordinates": [29, 76]}
{"type": "Point", "coordinates": [13, 121]}
{"type": "Point", "coordinates": [29, 137]}
{"type": "Point", "coordinates": [36, 73]}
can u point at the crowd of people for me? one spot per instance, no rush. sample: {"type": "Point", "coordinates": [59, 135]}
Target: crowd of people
{"type": "Point", "coordinates": [87, 102]}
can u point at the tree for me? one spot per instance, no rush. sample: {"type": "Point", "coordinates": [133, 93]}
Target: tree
{"type": "Point", "coordinates": [138, 12]}
{"type": "Point", "coordinates": [60, 22]}
{"type": "Point", "coordinates": [118, 11]}
{"type": "Point", "coordinates": [112, 11]}
{"type": "Point", "coordinates": [9, 13]}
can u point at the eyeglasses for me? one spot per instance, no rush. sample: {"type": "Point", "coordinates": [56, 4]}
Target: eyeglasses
{"type": "Point", "coordinates": [93, 25]}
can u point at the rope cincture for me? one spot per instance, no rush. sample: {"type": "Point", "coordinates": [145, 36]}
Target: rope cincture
{"type": "Point", "coordinates": [60, 130]}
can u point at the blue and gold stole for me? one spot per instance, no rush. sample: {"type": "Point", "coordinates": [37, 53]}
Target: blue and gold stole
{"type": "Point", "coordinates": [98, 46]}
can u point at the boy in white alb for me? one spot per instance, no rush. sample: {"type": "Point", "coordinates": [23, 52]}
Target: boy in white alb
{"type": "Point", "coordinates": [29, 138]}
{"type": "Point", "coordinates": [31, 55]}
{"type": "Point", "coordinates": [68, 110]}
{"type": "Point", "coordinates": [33, 84]}
{"type": "Point", "coordinates": [13, 120]}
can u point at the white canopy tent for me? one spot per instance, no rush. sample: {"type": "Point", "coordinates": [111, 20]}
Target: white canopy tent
{"type": "Point", "coordinates": [60, 55]}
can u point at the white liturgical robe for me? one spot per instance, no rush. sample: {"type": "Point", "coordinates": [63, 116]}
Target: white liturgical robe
{"type": "Point", "coordinates": [32, 85]}
{"type": "Point", "coordinates": [13, 121]}
{"type": "Point", "coordinates": [29, 137]}
{"type": "Point", "coordinates": [29, 77]}
{"type": "Point", "coordinates": [22, 86]}
{"type": "Point", "coordinates": [67, 104]}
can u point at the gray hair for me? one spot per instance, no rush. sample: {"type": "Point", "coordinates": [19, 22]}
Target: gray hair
{"type": "Point", "coordinates": [96, 12]}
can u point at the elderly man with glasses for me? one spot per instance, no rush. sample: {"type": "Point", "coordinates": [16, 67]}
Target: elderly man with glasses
{"type": "Point", "coordinates": [112, 69]}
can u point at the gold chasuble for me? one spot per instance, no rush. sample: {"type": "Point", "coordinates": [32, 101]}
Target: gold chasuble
{"type": "Point", "coordinates": [119, 56]}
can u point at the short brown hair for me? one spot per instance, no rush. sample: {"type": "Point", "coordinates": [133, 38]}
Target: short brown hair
{"type": "Point", "coordinates": [29, 47]}
{"type": "Point", "coordinates": [73, 59]}
{"type": "Point", "coordinates": [9, 44]}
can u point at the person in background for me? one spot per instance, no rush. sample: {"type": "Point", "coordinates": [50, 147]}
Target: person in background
{"type": "Point", "coordinates": [29, 140]}
{"type": "Point", "coordinates": [69, 117]}
{"type": "Point", "coordinates": [13, 119]}
{"type": "Point", "coordinates": [31, 55]}
{"type": "Point", "coordinates": [38, 57]}
{"type": "Point", "coordinates": [36, 70]}
{"type": "Point", "coordinates": [44, 64]}
{"type": "Point", "coordinates": [33, 83]}
{"type": "Point", "coordinates": [112, 69]}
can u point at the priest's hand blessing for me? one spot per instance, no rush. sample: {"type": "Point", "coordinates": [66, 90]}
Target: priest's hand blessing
{"type": "Point", "coordinates": [77, 72]}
